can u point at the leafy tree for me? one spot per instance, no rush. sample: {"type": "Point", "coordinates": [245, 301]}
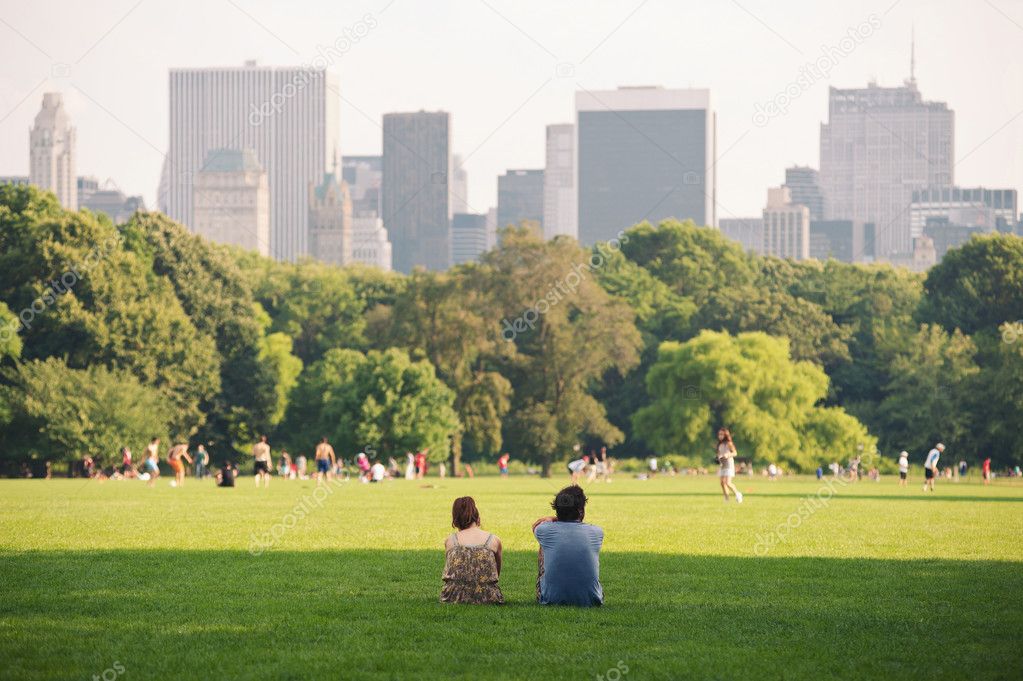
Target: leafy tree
{"type": "Point", "coordinates": [276, 354]}
{"type": "Point", "coordinates": [978, 286]}
{"type": "Point", "coordinates": [94, 302]}
{"type": "Point", "coordinates": [10, 341]}
{"type": "Point", "coordinates": [749, 384]}
{"type": "Point", "coordinates": [996, 397]}
{"type": "Point", "coordinates": [73, 412]}
{"type": "Point", "coordinates": [244, 399]}
{"type": "Point", "coordinates": [382, 401]}
{"type": "Point", "coordinates": [563, 333]}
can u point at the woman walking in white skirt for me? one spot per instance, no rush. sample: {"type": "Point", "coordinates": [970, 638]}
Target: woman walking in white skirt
{"type": "Point", "coordinates": [726, 460]}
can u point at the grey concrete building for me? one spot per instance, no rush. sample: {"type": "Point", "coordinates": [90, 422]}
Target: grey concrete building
{"type": "Point", "coordinates": [468, 237]}
{"type": "Point", "coordinates": [415, 193]}
{"type": "Point", "coordinates": [108, 199]}
{"type": "Point", "coordinates": [878, 145]}
{"type": "Point", "coordinates": [643, 153]}
{"type": "Point", "coordinates": [988, 209]}
{"type": "Point", "coordinates": [804, 185]}
{"type": "Point", "coordinates": [520, 197]}
{"type": "Point", "coordinates": [330, 221]}
{"type": "Point", "coordinates": [749, 232]}
{"type": "Point", "coordinates": [839, 239]}
{"type": "Point", "coordinates": [786, 226]}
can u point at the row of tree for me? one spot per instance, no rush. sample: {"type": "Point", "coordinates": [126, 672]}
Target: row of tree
{"type": "Point", "coordinates": [112, 334]}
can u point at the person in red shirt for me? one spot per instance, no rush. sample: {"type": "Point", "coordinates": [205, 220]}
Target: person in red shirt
{"type": "Point", "coordinates": [421, 464]}
{"type": "Point", "coordinates": [502, 464]}
{"type": "Point", "coordinates": [986, 471]}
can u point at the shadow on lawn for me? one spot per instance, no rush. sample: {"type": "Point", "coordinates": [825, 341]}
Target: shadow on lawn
{"type": "Point", "coordinates": [374, 614]}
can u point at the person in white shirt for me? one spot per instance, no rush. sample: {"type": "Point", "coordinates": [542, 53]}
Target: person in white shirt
{"type": "Point", "coordinates": [377, 472]}
{"type": "Point", "coordinates": [575, 468]}
{"type": "Point", "coordinates": [931, 466]}
{"type": "Point", "coordinates": [903, 468]}
{"type": "Point", "coordinates": [726, 461]}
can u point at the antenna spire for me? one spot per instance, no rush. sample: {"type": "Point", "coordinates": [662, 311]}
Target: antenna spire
{"type": "Point", "coordinates": [912, 55]}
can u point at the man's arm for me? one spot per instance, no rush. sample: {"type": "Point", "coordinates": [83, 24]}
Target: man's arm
{"type": "Point", "coordinates": [541, 521]}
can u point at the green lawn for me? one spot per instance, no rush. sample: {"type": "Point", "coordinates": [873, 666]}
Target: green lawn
{"type": "Point", "coordinates": [163, 583]}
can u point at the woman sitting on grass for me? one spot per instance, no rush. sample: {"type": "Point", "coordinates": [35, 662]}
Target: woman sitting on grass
{"type": "Point", "coordinates": [473, 559]}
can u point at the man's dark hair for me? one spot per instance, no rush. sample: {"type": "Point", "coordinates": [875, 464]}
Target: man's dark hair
{"type": "Point", "coordinates": [570, 504]}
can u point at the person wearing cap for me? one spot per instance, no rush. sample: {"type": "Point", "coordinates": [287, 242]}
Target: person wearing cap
{"type": "Point", "coordinates": [903, 468]}
{"type": "Point", "coordinates": [931, 466]}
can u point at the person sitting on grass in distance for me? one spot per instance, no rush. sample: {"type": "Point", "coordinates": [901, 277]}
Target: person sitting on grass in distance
{"type": "Point", "coordinates": [225, 478]}
{"type": "Point", "coordinates": [569, 557]}
{"type": "Point", "coordinates": [472, 564]}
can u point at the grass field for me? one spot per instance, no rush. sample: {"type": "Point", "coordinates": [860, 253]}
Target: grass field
{"type": "Point", "coordinates": [118, 580]}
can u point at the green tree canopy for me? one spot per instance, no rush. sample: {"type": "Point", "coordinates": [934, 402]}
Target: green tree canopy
{"type": "Point", "coordinates": [749, 384]}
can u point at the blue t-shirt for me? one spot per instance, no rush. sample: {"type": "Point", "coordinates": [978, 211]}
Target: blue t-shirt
{"type": "Point", "coordinates": [571, 560]}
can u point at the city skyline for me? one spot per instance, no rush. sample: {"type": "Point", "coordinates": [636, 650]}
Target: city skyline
{"type": "Point", "coordinates": [122, 130]}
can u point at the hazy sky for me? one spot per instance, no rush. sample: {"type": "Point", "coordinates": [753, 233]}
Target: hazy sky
{"type": "Point", "coordinates": [506, 69]}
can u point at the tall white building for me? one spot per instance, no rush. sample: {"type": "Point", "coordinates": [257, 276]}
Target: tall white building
{"type": "Point", "coordinates": [232, 200]}
{"type": "Point", "coordinates": [370, 245]}
{"type": "Point", "coordinates": [786, 226]}
{"type": "Point", "coordinates": [559, 210]}
{"type": "Point", "coordinates": [52, 151]}
{"type": "Point", "coordinates": [288, 115]}
{"type": "Point", "coordinates": [643, 153]}
{"type": "Point", "coordinates": [459, 202]}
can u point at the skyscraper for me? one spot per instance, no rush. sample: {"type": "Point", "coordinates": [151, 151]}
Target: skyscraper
{"type": "Point", "coordinates": [643, 153]}
{"type": "Point", "coordinates": [415, 192]}
{"type": "Point", "coordinates": [468, 237]}
{"type": "Point", "coordinates": [363, 175]}
{"type": "Point", "coordinates": [988, 209]}
{"type": "Point", "coordinates": [805, 187]}
{"type": "Point", "coordinates": [288, 116]}
{"type": "Point", "coordinates": [559, 212]}
{"type": "Point", "coordinates": [786, 226]}
{"type": "Point", "coordinates": [52, 151]}
{"type": "Point", "coordinates": [231, 200]}
{"type": "Point", "coordinates": [749, 232]}
{"type": "Point", "coordinates": [878, 145]}
{"type": "Point", "coordinates": [459, 186]}
{"type": "Point", "coordinates": [520, 197]}
{"type": "Point", "coordinates": [330, 221]}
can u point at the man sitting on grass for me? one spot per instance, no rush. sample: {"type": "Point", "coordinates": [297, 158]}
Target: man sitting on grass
{"type": "Point", "coordinates": [569, 558]}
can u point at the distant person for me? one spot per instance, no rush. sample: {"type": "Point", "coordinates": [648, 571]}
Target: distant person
{"type": "Point", "coordinates": [284, 467]}
{"type": "Point", "coordinates": [652, 464]}
{"type": "Point", "coordinates": [820, 473]}
{"type": "Point", "coordinates": [421, 463]}
{"type": "Point", "coordinates": [174, 456]}
{"type": "Point", "coordinates": [772, 472]}
{"type": "Point", "coordinates": [726, 464]}
{"type": "Point", "coordinates": [605, 464]}
{"type": "Point", "coordinates": [202, 462]}
{"type": "Point", "coordinates": [377, 472]}
{"type": "Point", "coordinates": [227, 475]}
{"type": "Point", "coordinates": [576, 468]}
{"type": "Point", "coordinates": [126, 462]}
{"type": "Point", "coordinates": [985, 471]}
{"type": "Point", "coordinates": [261, 455]}
{"type": "Point", "coordinates": [410, 466]}
{"type": "Point", "coordinates": [962, 469]}
{"type": "Point", "coordinates": [502, 464]}
{"type": "Point", "coordinates": [568, 562]}
{"type": "Point", "coordinates": [931, 466]}
{"type": "Point", "coordinates": [903, 468]}
{"type": "Point", "coordinates": [392, 467]}
{"type": "Point", "coordinates": [152, 463]}
{"type": "Point", "coordinates": [362, 462]}
{"type": "Point", "coordinates": [472, 559]}
{"type": "Point", "coordinates": [300, 467]}
{"type": "Point", "coordinates": [854, 469]}
{"type": "Point", "coordinates": [325, 461]}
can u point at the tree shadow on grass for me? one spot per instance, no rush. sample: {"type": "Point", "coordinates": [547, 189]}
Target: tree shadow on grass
{"type": "Point", "coordinates": [374, 614]}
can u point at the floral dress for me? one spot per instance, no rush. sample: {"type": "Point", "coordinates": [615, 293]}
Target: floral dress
{"type": "Point", "coordinates": [470, 574]}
